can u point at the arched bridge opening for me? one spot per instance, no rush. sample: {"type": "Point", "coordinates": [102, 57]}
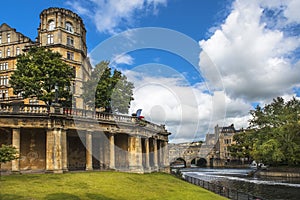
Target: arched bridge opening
{"type": "Point", "coordinates": [199, 162]}
{"type": "Point", "coordinates": [178, 162]}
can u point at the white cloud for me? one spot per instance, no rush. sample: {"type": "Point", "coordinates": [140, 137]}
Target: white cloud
{"type": "Point", "coordinates": [255, 61]}
{"type": "Point", "coordinates": [122, 59]}
{"type": "Point", "coordinates": [188, 111]}
{"type": "Point", "coordinates": [109, 16]}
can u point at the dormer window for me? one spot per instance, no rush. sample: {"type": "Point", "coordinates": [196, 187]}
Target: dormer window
{"type": "Point", "coordinates": [51, 25]}
{"type": "Point", "coordinates": [69, 27]}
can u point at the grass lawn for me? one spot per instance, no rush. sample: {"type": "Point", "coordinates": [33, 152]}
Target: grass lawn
{"type": "Point", "coordinates": [99, 185]}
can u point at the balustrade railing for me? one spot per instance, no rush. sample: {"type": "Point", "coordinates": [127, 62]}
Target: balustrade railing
{"type": "Point", "coordinates": [78, 113]}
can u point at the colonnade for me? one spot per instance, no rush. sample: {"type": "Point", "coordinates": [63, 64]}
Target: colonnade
{"type": "Point", "coordinates": [142, 154]}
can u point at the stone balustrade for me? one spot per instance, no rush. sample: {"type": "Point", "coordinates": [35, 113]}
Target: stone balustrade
{"type": "Point", "coordinates": [78, 113]}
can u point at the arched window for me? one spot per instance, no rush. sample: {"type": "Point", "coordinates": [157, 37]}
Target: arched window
{"type": "Point", "coordinates": [69, 27]}
{"type": "Point", "coordinates": [51, 25]}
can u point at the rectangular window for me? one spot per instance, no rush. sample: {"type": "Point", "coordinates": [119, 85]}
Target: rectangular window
{"type": "Point", "coordinates": [8, 37]}
{"type": "Point", "coordinates": [70, 55]}
{"type": "Point", "coordinates": [8, 52]}
{"type": "Point", "coordinates": [50, 39]}
{"type": "Point", "coordinates": [3, 94]}
{"type": "Point", "coordinates": [0, 39]}
{"type": "Point", "coordinates": [3, 66]}
{"type": "Point", "coordinates": [18, 51]}
{"type": "Point", "coordinates": [3, 80]}
{"type": "Point", "coordinates": [70, 41]}
{"type": "Point", "coordinates": [0, 54]}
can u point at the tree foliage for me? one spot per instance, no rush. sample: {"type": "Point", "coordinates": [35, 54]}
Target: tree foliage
{"type": "Point", "coordinates": [107, 90]}
{"type": "Point", "coordinates": [8, 153]}
{"type": "Point", "coordinates": [274, 136]}
{"type": "Point", "coordinates": [38, 71]}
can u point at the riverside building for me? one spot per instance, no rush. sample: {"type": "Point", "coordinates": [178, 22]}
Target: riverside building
{"type": "Point", "coordinates": [64, 139]}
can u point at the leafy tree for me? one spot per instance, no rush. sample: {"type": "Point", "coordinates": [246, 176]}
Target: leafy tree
{"type": "Point", "coordinates": [38, 72]}
{"type": "Point", "coordinates": [243, 146]}
{"type": "Point", "coordinates": [277, 130]}
{"type": "Point", "coordinates": [7, 154]}
{"type": "Point", "coordinates": [104, 90]}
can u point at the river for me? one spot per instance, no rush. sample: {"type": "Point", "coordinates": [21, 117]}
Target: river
{"type": "Point", "coordinates": [238, 179]}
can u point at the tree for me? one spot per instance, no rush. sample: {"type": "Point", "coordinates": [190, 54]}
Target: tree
{"type": "Point", "coordinates": [104, 90]}
{"type": "Point", "coordinates": [277, 130]}
{"type": "Point", "coordinates": [243, 145]}
{"type": "Point", "coordinates": [38, 72]}
{"type": "Point", "coordinates": [7, 154]}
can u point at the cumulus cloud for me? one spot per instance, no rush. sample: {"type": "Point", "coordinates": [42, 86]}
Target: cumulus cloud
{"type": "Point", "coordinates": [110, 15]}
{"type": "Point", "coordinates": [122, 59]}
{"type": "Point", "coordinates": [188, 111]}
{"type": "Point", "coordinates": [256, 60]}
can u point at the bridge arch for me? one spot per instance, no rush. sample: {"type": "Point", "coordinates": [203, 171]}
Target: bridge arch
{"type": "Point", "coordinates": [178, 162]}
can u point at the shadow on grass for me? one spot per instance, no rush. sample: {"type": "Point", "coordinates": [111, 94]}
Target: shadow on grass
{"type": "Point", "coordinates": [10, 197]}
{"type": "Point", "coordinates": [64, 196]}
{"type": "Point", "coordinates": [98, 197]}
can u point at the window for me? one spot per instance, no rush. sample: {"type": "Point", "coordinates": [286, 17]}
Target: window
{"type": "Point", "coordinates": [3, 66]}
{"type": "Point", "coordinates": [3, 80]}
{"type": "Point", "coordinates": [18, 51]}
{"type": "Point", "coordinates": [8, 52]}
{"type": "Point", "coordinates": [70, 41]}
{"type": "Point", "coordinates": [74, 72]}
{"type": "Point", "coordinates": [8, 37]}
{"type": "Point", "coordinates": [69, 27]}
{"type": "Point", "coordinates": [50, 39]}
{"type": "Point", "coordinates": [3, 94]}
{"type": "Point", "coordinates": [70, 55]}
{"type": "Point", "coordinates": [51, 25]}
{"type": "Point", "coordinates": [0, 39]}
{"type": "Point", "coordinates": [0, 54]}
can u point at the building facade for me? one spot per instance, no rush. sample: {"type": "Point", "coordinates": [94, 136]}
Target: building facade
{"type": "Point", "coordinates": [63, 139]}
{"type": "Point", "coordinates": [60, 30]}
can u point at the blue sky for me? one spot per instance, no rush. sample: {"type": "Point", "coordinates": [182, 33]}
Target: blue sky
{"type": "Point", "coordinates": [202, 63]}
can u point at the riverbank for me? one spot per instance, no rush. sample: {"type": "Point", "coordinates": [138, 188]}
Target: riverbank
{"type": "Point", "coordinates": [280, 172]}
{"type": "Point", "coordinates": [100, 185]}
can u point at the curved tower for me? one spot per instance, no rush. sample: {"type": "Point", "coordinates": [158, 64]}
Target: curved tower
{"type": "Point", "coordinates": [63, 31]}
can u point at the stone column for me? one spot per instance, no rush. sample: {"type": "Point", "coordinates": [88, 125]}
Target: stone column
{"type": "Point", "coordinates": [112, 151]}
{"type": "Point", "coordinates": [166, 154]}
{"type": "Point", "coordinates": [147, 154]}
{"type": "Point", "coordinates": [135, 156]}
{"type": "Point", "coordinates": [89, 150]}
{"type": "Point", "coordinates": [161, 154]}
{"type": "Point", "coordinates": [64, 148]}
{"type": "Point", "coordinates": [155, 154]}
{"type": "Point", "coordinates": [16, 143]}
{"type": "Point", "coordinates": [106, 152]}
{"type": "Point", "coordinates": [54, 150]}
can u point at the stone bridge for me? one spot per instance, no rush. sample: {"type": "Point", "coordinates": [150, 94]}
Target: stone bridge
{"type": "Point", "coordinates": [55, 139]}
{"type": "Point", "coordinates": [195, 153]}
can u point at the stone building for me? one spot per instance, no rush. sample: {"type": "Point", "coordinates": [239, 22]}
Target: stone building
{"type": "Point", "coordinates": [60, 30]}
{"type": "Point", "coordinates": [63, 139]}
{"type": "Point", "coordinates": [12, 43]}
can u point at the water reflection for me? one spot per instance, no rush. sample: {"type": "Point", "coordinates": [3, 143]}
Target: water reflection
{"type": "Point", "coordinates": [265, 187]}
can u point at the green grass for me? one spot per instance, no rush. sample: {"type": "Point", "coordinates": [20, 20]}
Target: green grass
{"type": "Point", "coordinates": [99, 185]}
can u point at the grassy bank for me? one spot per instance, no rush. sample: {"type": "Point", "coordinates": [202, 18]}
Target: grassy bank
{"type": "Point", "coordinates": [99, 185]}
